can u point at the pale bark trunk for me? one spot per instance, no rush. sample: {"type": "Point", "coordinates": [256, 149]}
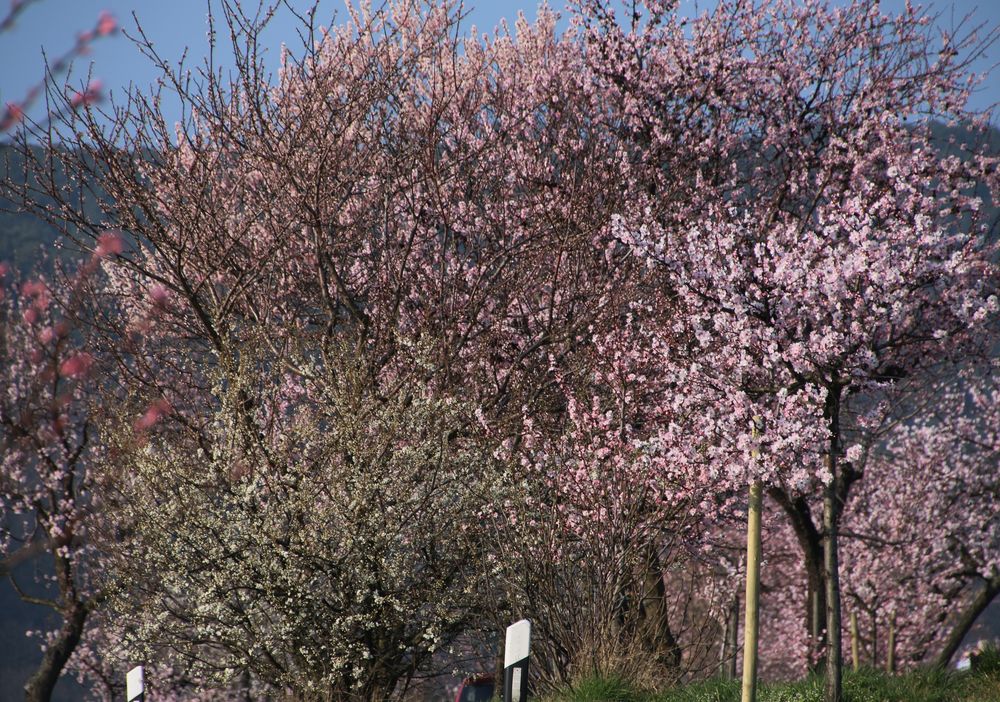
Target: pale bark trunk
{"type": "Point", "coordinates": [749, 689]}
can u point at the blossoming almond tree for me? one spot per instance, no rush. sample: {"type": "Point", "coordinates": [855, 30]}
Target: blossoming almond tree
{"type": "Point", "coordinates": [829, 243]}
{"type": "Point", "coordinates": [941, 470]}
{"type": "Point", "coordinates": [48, 452]}
{"type": "Point", "coordinates": [395, 200]}
{"type": "Point", "coordinates": [815, 317]}
{"type": "Point", "coordinates": [331, 556]}
{"type": "Point", "coordinates": [602, 521]}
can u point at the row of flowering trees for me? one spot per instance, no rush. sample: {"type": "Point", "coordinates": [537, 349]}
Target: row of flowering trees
{"type": "Point", "coordinates": [434, 330]}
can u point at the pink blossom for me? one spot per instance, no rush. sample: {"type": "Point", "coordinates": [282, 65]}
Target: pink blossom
{"type": "Point", "coordinates": [88, 96]}
{"type": "Point", "coordinates": [106, 24]}
{"type": "Point", "coordinates": [159, 295]}
{"type": "Point", "coordinates": [11, 116]}
{"type": "Point", "coordinates": [109, 243]}
{"type": "Point", "coordinates": [153, 414]}
{"type": "Point", "coordinates": [76, 365]}
{"type": "Point", "coordinates": [34, 288]}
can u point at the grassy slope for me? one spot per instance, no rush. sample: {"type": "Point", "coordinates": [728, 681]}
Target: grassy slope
{"type": "Point", "coordinates": [866, 685]}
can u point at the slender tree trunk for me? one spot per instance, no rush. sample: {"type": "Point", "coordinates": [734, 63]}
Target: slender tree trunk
{"type": "Point", "coordinates": [968, 617]}
{"type": "Point", "coordinates": [734, 636]}
{"type": "Point", "coordinates": [730, 641]}
{"type": "Point", "coordinates": [890, 653]}
{"type": "Point", "coordinates": [875, 639]}
{"type": "Point", "coordinates": [752, 596]}
{"type": "Point", "coordinates": [498, 673]}
{"type": "Point", "coordinates": [729, 644]}
{"type": "Point", "coordinates": [831, 566]}
{"type": "Point", "coordinates": [855, 644]}
{"type": "Point", "coordinates": [43, 681]}
{"type": "Point", "coordinates": [724, 648]}
{"type": "Point", "coordinates": [244, 687]}
{"type": "Point", "coordinates": [817, 625]}
{"type": "Point", "coordinates": [74, 611]}
{"type": "Point", "coordinates": [833, 647]}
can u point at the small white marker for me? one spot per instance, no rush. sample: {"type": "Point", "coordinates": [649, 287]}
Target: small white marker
{"type": "Point", "coordinates": [134, 685]}
{"type": "Point", "coordinates": [515, 661]}
{"type": "Point", "coordinates": [518, 642]}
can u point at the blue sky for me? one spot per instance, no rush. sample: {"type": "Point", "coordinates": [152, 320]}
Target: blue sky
{"type": "Point", "coordinates": [174, 26]}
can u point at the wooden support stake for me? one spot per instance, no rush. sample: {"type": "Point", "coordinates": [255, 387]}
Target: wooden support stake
{"type": "Point", "coordinates": [855, 652]}
{"type": "Point", "coordinates": [753, 595]}
{"type": "Point", "coordinates": [890, 662]}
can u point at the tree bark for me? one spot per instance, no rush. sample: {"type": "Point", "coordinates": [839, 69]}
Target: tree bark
{"type": "Point", "coordinates": [43, 681]}
{"type": "Point", "coordinates": [831, 566]}
{"type": "Point", "coordinates": [730, 645]}
{"type": "Point", "coordinates": [655, 616]}
{"type": "Point", "coordinates": [74, 610]}
{"type": "Point", "coordinates": [874, 658]}
{"type": "Point", "coordinates": [811, 542]}
{"type": "Point", "coordinates": [968, 617]}
{"type": "Point", "coordinates": [734, 636]}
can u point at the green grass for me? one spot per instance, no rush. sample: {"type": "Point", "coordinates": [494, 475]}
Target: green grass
{"type": "Point", "coordinates": [866, 685]}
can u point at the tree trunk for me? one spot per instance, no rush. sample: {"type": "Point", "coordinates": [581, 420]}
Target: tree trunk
{"type": "Point", "coordinates": [749, 689]}
{"type": "Point", "coordinates": [875, 639]}
{"type": "Point", "coordinates": [831, 566]}
{"type": "Point", "coordinates": [730, 641]}
{"type": "Point", "coordinates": [833, 648]}
{"type": "Point", "coordinates": [43, 681]}
{"type": "Point", "coordinates": [655, 615]}
{"type": "Point", "coordinates": [734, 636]}
{"type": "Point", "coordinates": [982, 600]}
{"type": "Point", "coordinates": [244, 687]}
{"type": "Point", "coordinates": [811, 542]}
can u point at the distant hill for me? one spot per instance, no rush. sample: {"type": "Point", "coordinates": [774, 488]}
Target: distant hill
{"type": "Point", "coordinates": [25, 241]}
{"type": "Point", "coordinates": [26, 244]}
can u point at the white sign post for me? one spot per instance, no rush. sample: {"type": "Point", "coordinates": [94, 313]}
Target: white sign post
{"type": "Point", "coordinates": [134, 685]}
{"type": "Point", "coordinates": [515, 662]}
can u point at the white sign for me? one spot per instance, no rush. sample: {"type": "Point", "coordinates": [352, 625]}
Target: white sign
{"type": "Point", "coordinates": [518, 642]}
{"type": "Point", "coordinates": [134, 684]}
